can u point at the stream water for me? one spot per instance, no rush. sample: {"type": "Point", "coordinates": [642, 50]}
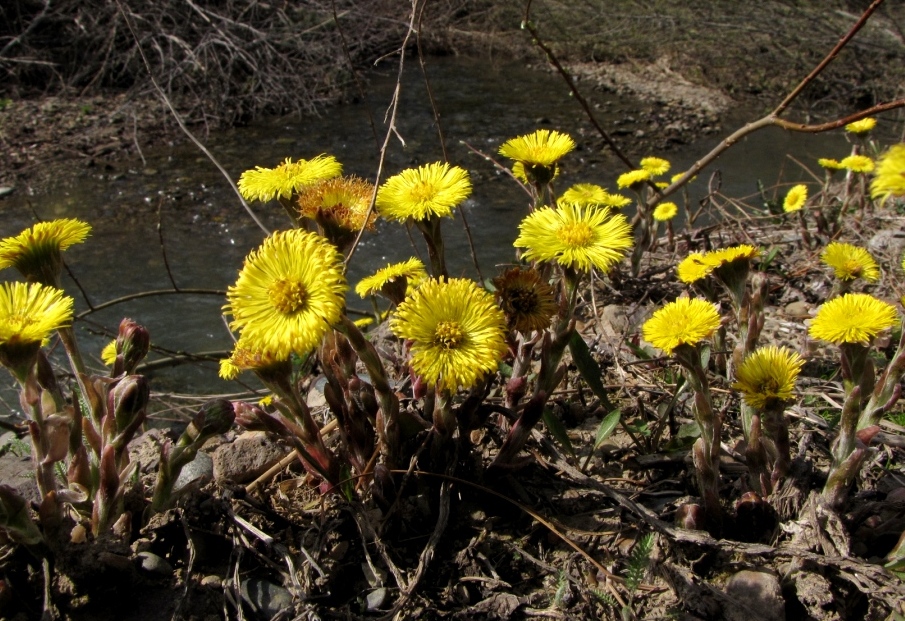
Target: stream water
{"type": "Point", "coordinates": [178, 196]}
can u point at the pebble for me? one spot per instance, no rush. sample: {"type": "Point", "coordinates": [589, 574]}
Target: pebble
{"type": "Point", "coordinates": [213, 582]}
{"type": "Point", "coordinates": [755, 590]}
{"type": "Point", "coordinates": [376, 598]}
{"type": "Point", "coordinates": [201, 466]}
{"type": "Point", "coordinates": [798, 310]}
{"type": "Point", "coordinates": [246, 458]}
{"type": "Point", "coordinates": [153, 564]}
{"type": "Point", "coordinates": [264, 598]}
{"type": "Point", "coordinates": [6, 191]}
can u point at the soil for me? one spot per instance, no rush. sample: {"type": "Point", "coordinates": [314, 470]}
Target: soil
{"type": "Point", "coordinates": [276, 549]}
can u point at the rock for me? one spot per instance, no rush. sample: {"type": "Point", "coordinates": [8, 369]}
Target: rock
{"type": "Point", "coordinates": [245, 459]}
{"type": "Point", "coordinates": [755, 591]}
{"type": "Point", "coordinates": [17, 471]}
{"type": "Point", "coordinates": [6, 191]}
{"type": "Point", "coordinates": [888, 242]}
{"type": "Point", "coordinates": [264, 598]}
{"type": "Point", "coordinates": [798, 310]}
{"type": "Point", "coordinates": [152, 564]}
{"type": "Point", "coordinates": [201, 466]}
{"type": "Point", "coordinates": [376, 598]}
{"type": "Point", "coordinates": [145, 449]}
{"type": "Point", "coordinates": [213, 582]}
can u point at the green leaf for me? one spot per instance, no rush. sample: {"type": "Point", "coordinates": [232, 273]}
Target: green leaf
{"type": "Point", "coordinates": [588, 367]}
{"type": "Point", "coordinates": [558, 430]}
{"type": "Point", "coordinates": [606, 427]}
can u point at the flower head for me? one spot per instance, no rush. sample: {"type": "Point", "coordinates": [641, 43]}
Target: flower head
{"type": "Point", "coordinates": [852, 318]}
{"type": "Point", "coordinates": [857, 163]}
{"type": "Point", "coordinates": [343, 200]}
{"type": "Point", "coordinates": [37, 251]}
{"type": "Point", "coordinates": [861, 126]}
{"type": "Point", "coordinates": [525, 298]}
{"type": "Point", "coordinates": [665, 211]}
{"type": "Point", "coordinates": [830, 164]}
{"type": "Point", "coordinates": [850, 262]}
{"type": "Point", "coordinates": [246, 358]}
{"type": "Point", "coordinates": [796, 198]}
{"type": "Point", "coordinates": [686, 321]}
{"type": "Point", "coordinates": [575, 236]}
{"type": "Point", "coordinates": [542, 148]}
{"type": "Point", "coordinates": [633, 177]}
{"type": "Point", "coordinates": [288, 293]}
{"type": "Point", "coordinates": [889, 176]}
{"type": "Point", "coordinates": [264, 184]}
{"type": "Point", "coordinates": [656, 166]}
{"type": "Point", "coordinates": [742, 252]}
{"type": "Point", "coordinates": [693, 268]}
{"type": "Point", "coordinates": [457, 332]}
{"type": "Point", "coordinates": [108, 353]}
{"type": "Point", "coordinates": [591, 194]}
{"type": "Point", "coordinates": [393, 281]}
{"type": "Point", "coordinates": [28, 314]}
{"type": "Point", "coordinates": [532, 174]}
{"type": "Point", "coordinates": [419, 193]}
{"type": "Point", "coordinates": [768, 375]}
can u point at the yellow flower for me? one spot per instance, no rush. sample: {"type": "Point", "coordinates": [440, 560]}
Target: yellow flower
{"type": "Point", "coordinates": [768, 375]}
{"type": "Point", "coordinates": [108, 353]}
{"type": "Point", "coordinates": [632, 177]}
{"type": "Point", "coordinates": [419, 193]}
{"type": "Point", "coordinates": [28, 314]}
{"type": "Point", "coordinates": [742, 252]}
{"type": "Point", "coordinates": [363, 323]}
{"type": "Point", "coordinates": [861, 126]}
{"type": "Point", "coordinates": [656, 166]}
{"type": "Point", "coordinates": [830, 164]}
{"type": "Point", "coordinates": [394, 278]}
{"type": "Point", "coordinates": [533, 173]}
{"type": "Point", "coordinates": [858, 163]}
{"type": "Point", "coordinates": [247, 358]}
{"type": "Point", "coordinates": [686, 321]}
{"type": "Point", "coordinates": [541, 148]}
{"type": "Point", "coordinates": [344, 200]}
{"type": "Point", "coordinates": [591, 194]}
{"type": "Point", "coordinates": [37, 251]}
{"type": "Point", "coordinates": [852, 318]}
{"type": "Point", "coordinates": [457, 332]}
{"type": "Point", "coordinates": [678, 176]}
{"type": "Point", "coordinates": [796, 198]}
{"type": "Point", "coordinates": [264, 184]}
{"type": "Point", "coordinates": [288, 293]}
{"type": "Point", "coordinates": [575, 236]}
{"type": "Point", "coordinates": [693, 268]}
{"type": "Point", "coordinates": [850, 262]}
{"type": "Point", "coordinates": [526, 300]}
{"type": "Point", "coordinates": [889, 176]}
{"type": "Point", "coordinates": [665, 211]}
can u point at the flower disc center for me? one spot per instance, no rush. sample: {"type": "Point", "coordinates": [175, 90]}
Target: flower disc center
{"type": "Point", "coordinates": [288, 296]}
{"type": "Point", "coordinates": [449, 334]}
{"type": "Point", "coordinates": [575, 234]}
{"type": "Point", "coordinates": [523, 301]}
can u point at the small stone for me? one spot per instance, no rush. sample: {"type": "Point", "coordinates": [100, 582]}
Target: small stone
{"type": "Point", "coordinates": [149, 172]}
{"type": "Point", "coordinates": [153, 564]}
{"type": "Point", "coordinates": [264, 598]}
{"type": "Point", "coordinates": [798, 310]}
{"type": "Point", "coordinates": [6, 191]}
{"type": "Point", "coordinates": [376, 598]}
{"type": "Point", "coordinates": [201, 466]}
{"type": "Point", "coordinates": [247, 458]}
{"type": "Point", "coordinates": [213, 582]}
{"type": "Point", "coordinates": [755, 590]}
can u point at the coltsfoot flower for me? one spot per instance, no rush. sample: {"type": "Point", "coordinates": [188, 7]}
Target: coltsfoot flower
{"type": "Point", "coordinates": [768, 375]}
{"type": "Point", "coordinates": [830, 164]}
{"type": "Point", "coordinates": [633, 177]}
{"type": "Point", "coordinates": [393, 281]}
{"type": "Point", "coordinates": [665, 211]}
{"type": "Point", "coordinates": [526, 300]}
{"type": "Point", "coordinates": [37, 251]}
{"type": "Point", "coordinates": [344, 200]}
{"type": "Point", "coordinates": [587, 194]}
{"type": "Point", "coordinates": [742, 252]}
{"type": "Point", "coordinates": [419, 193]}
{"type": "Point", "coordinates": [686, 321]}
{"type": "Point", "coordinates": [852, 318]}
{"type": "Point", "coordinates": [796, 198]}
{"type": "Point", "coordinates": [861, 126]}
{"type": "Point", "coordinates": [264, 184]}
{"type": "Point", "coordinates": [456, 329]}
{"type": "Point", "coordinates": [289, 292]}
{"type": "Point", "coordinates": [656, 166]}
{"type": "Point", "coordinates": [857, 163]}
{"type": "Point", "coordinates": [889, 175]}
{"type": "Point", "coordinates": [693, 268]}
{"type": "Point", "coordinates": [575, 236]}
{"type": "Point", "coordinates": [850, 262]}
{"type": "Point", "coordinates": [246, 358]}
{"type": "Point", "coordinates": [542, 148]}
{"type": "Point", "coordinates": [28, 315]}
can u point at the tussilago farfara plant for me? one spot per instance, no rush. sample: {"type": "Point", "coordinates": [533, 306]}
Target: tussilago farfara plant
{"type": "Point", "coordinates": [80, 437]}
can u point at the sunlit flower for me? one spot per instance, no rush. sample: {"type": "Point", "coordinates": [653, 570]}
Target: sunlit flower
{"type": "Point", "coordinates": [28, 315]}
{"type": "Point", "coordinates": [742, 252]}
{"type": "Point", "coordinates": [850, 262]}
{"type": "Point", "coordinates": [632, 177]}
{"type": "Point", "coordinates": [686, 321]}
{"type": "Point", "coordinates": [768, 375]}
{"type": "Point", "coordinates": [542, 148]}
{"type": "Point", "coordinates": [456, 329]}
{"type": "Point", "coordinates": [590, 194]}
{"type": "Point", "coordinates": [419, 193]}
{"type": "Point", "coordinates": [665, 211]}
{"type": "Point", "coordinates": [343, 200]}
{"type": "Point", "coordinates": [525, 298]}
{"type": "Point", "coordinates": [574, 236]}
{"type": "Point", "coordinates": [264, 184]}
{"type": "Point", "coordinates": [852, 318]}
{"type": "Point", "coordinates": [861, 126]}
{"type": "Point", "coordinates": [796, 198]}
{"type": "Point", "coordinates": [830, 164]}
{"type": "Point", "coordinates": [246, 358]}
{"type": "Point", "coordinates": [288, 293]}
{"type": "Point", "coordinates": [656, 166]}
{"type": "Point", "coordinates": [889, 176]}
{"type": "Point", "coordinates": [858, 163]}
{"type": "Point", "coordinates": [108, 353]}
{"type": "Point", "coordinates": [363, 323]}
{"type": "Point", "coordinates": [393, 281]}
{"type": "Point", "coordinates": [530, 174]}
{"type": "Point", "coordinates": [693, 268]}
{"type": "Point", "coordinates": [37, 251]}
{"type": "Point", "coordinates": [678, 176]}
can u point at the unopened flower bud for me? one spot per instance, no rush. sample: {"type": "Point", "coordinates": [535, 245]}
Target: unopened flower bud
{"type": "Point", "coordinates": [132, 343]}
{"type": "Point", "coordinates": [214, 417]}
{"type": "Point", "coordinates": [128, 400]}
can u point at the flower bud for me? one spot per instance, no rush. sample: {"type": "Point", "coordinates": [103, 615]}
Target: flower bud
{"type": "Point", "coordinates": [128, 400]}
{"type": "Point", "coordinates": [215, 417]}
{"type": "Point", "coordinates": [132, 343]}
